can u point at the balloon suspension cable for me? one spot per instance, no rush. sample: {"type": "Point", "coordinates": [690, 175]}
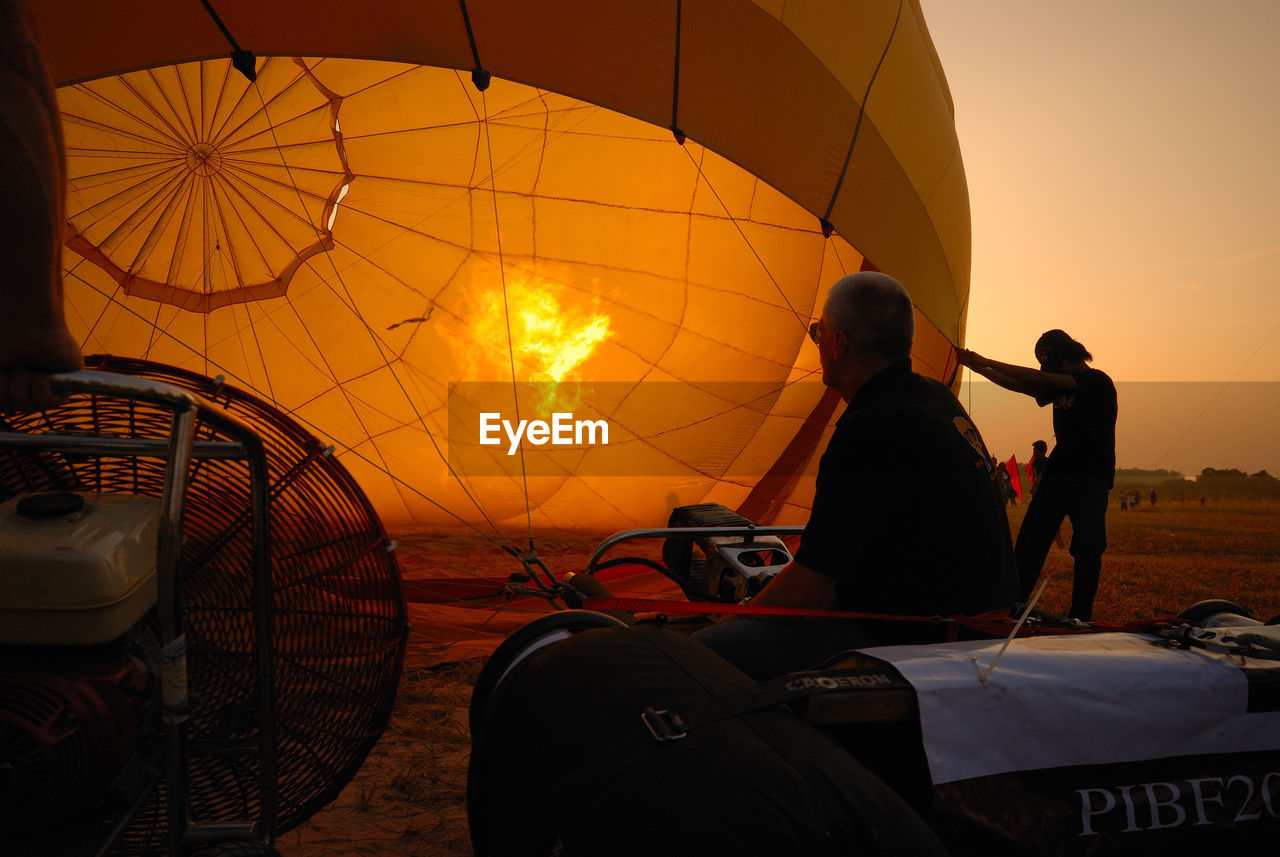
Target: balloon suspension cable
{"type": "Point", "coordinates": [1026, 611]}
{"type": "Point", "coordinates": [506, 308]}
{"type": "Point", "coordinates": [675, 79]}
{"type": "Point", "coordinates": [243, 61]}
{"type": "Point", "coordinates": [825, 220]}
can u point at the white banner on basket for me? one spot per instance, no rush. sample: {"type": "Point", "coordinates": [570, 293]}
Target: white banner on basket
{"type": "Point", "coordinates": [1087, 699]}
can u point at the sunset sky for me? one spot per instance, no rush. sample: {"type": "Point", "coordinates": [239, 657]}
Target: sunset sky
{"type": "Point", "coordinates": [1125, 186]}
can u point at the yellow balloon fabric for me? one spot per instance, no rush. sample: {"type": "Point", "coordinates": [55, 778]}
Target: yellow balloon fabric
{"type": "Point", "coordinates": [389, 252]}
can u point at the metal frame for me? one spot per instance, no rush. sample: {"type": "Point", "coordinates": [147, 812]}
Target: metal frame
{"type": "Point", "coordinates": [748, 534]}
{"type": "Point", "coordinates": [178, 452]}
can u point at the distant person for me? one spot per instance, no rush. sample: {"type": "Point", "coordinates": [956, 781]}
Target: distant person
{"type": "Point", "coordinates": [1153, 498]}
{"type": "Point", "coordinates": [1006, 480]}
{"type": "Point", "coordinates": [1124, 501]}
{"type": "Point", "coordinates": [1035, 467]}
{"type": "Point", "coordinates": [875, 542]}
{"type": "Point", "coordinates": [1081, 469]}
{"type": "Point", "coordinates": [33, 331]}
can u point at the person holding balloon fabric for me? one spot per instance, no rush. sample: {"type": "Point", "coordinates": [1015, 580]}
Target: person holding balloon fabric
{"type": "Point", "coordinates": [1080, 470]}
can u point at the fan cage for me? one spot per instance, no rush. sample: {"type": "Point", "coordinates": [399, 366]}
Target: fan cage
{"type": "Point", "coordinates": [339, 624]}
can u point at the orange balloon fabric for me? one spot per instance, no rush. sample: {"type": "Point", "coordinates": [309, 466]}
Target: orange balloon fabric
{"type": "Point", "coordinates": [625, 225]}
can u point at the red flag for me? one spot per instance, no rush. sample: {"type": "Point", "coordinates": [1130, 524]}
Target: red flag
{"type": "Point", "coordinates": [1014, 477]}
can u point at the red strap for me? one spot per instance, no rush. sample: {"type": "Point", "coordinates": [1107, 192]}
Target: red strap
{"type": "Point", "coordinates": [996, 623]}
{"type": "Point", "coordinates": [657, 605]}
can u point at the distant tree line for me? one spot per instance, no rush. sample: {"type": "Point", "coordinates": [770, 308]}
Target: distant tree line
{"type": "Point", "coordinates": [1212, 483]}
{"type": "Point", "coordinates": [1138, 474]}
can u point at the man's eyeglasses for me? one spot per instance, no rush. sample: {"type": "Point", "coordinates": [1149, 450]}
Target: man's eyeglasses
{"type": "Point", "coordinates": [815, 330]}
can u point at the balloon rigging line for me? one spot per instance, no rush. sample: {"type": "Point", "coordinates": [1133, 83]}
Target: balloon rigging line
{"type": "Point", "coordinates": [1218, 395]}
{"type": "Point", "coordinates": [502, 277]}
{"type": "Point", "coordinates": [675, 78]}
{"type": "Point", "coordinates": [862, 112]}
{"type": "Point", "coordinates": [763, 265]}
{"type": "Point", "coordinates": [471, 40]}
{"type": "Point", "coordinates": [89, 328]}
{"type": "Point", "coordinates": [257, 342]}
{"type": "Point", "coordinates": [376, 341]}
{"type": "Point", "coordinates": [231, 40]}
{"type": "Point", "coordinates": [240, 58]}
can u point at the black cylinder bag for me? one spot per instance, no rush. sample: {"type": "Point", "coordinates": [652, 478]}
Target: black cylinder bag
{"type": "Point", "coordinates": [637, 741]}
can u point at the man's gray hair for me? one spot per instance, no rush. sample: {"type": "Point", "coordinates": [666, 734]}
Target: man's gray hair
{"type": "Point", "coordinates": [875, 313]}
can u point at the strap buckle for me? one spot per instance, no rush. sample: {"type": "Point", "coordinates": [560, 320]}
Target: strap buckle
{"type": "Point", "coordinates": [662, 724]}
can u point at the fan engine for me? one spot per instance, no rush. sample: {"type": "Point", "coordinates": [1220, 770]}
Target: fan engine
{"type": "Point", "coordinates": [77, 661]}
{"type": "Point", "coordinates": [727, 568]}
{"type": "Point", "coordinates": [119, 736]}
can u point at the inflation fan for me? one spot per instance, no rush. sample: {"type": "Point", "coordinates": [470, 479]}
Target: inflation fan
{"type": "Point", "coordinates": [201, 620]}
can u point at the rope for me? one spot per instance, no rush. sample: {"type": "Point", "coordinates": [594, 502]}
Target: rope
{"type": "Point", "coordinates": [857, 128]}
{"type": "Point", "coordinates": [675, 82]}
{"type": "Point", "coordinates": [506, 316]}
{"type": "Point", "coordinates": [479, 76]}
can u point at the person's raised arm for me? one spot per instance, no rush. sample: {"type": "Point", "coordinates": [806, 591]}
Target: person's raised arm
{"type": "Point", "coordinates": [1020, 379]}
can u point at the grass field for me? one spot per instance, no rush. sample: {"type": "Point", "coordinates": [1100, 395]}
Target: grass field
{"type": "Point", "coordinates": [410, 797]}
{"type": "Point", "coordinates": [1161, 560]}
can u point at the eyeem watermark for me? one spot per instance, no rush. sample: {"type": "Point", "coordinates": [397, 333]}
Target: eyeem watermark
{"type": "Point", "coordinates": [563, 430]}
{"type": "Point", "coordinates": [627, 429]}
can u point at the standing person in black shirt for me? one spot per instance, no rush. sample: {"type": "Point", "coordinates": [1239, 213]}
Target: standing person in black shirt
{"type": "Point", "coordinates": [1080, 470]}
{"type": "Point", "coordinates": [908, 511]}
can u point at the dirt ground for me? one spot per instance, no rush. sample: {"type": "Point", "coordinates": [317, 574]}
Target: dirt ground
{"type": "Point", "coordinates": [410, 797]}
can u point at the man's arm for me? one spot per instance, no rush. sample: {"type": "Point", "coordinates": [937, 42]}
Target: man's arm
{"type": "Point", "coordinates": [1019, 379]}
{"type": "Point", "coordinates": [797, 586]}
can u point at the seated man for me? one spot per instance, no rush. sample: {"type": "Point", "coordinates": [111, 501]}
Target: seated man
{"type": "Point", "coordinates": [908, 513]}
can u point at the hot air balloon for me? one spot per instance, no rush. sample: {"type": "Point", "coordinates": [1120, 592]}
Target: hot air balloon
{"type": "Point", "coordinates": [416, 214]}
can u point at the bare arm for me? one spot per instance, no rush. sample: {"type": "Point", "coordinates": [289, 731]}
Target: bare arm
{"type": "Point", "coordinates": [797, 586]}
{"type": "Point", "coordinates": [1019, 379]}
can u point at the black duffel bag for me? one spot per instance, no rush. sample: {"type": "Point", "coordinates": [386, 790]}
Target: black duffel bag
{"type": "Point", "coordinates": [634, 741]}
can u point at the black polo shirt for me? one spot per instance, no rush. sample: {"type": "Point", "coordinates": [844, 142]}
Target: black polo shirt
{"type": "Point", "coordinates": [908, 514]}
{"type": "Point", "coordinates": [1084, 428]}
